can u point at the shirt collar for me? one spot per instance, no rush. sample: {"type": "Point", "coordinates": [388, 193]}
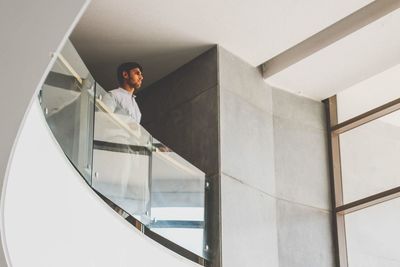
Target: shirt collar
{"type": "Point", "coordinates": [126, 92]}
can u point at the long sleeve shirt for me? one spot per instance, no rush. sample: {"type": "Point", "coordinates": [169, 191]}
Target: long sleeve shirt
{"type": "Point", "coordinates": [124, 103]}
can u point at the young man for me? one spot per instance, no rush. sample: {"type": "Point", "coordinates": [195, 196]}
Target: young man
{"type": "Point", "coordinates": [130, 77]}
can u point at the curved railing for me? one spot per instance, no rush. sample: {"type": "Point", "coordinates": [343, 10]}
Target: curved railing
{"type": "Point", "coordinates": [144, 181]}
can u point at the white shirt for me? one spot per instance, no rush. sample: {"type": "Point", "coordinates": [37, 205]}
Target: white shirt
{"type": "Point", "coordinates": [124, 103]}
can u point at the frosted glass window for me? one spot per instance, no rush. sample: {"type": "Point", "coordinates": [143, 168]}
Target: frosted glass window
{"type": "Point", "coordinates": [372, 235]}
{"type": "Point", "coordinates": [370, 158]}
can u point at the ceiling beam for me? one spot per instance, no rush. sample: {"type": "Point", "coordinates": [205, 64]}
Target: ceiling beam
{"type": "Point", "coordinates": [328, 36]}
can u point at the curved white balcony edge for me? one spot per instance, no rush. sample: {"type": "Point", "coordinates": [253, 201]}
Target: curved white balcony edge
{"type": "Point", "coordinates": [31, 32]}
{"type": "Point", "coordinates": [53, 218]}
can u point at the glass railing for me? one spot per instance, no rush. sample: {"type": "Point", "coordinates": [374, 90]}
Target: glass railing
{"type": "Point", "coordinates": [153, 187]}
{"type": "Point", "coordinates": [122, 152]}
{"type": "Point", "coordinates": [67, 102]}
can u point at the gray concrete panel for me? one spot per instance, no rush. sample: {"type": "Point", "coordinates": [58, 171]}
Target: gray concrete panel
{"type": "Point", "coordinates": [205, 131]}
{"type": "Point", "coordinates": [300, 109]}
{"type": "Point", "coordinates": [213, 219]}
{"type": "Point", "coordinates": [195, 77]}
{"type": "Point", "coordinates": [191, 130]}
{"type": "Point", "coordinates": [301, 163]}
{"type": "Point", "coordinates": [244, 80]}
{"type": "Point", "coordinates": [176, 130]}
{"type": "Point", "coordinates": [181, 110]}
{"type": "Point", "coordinates": [180, 86]}
{"type": "Point", "coordinates": [155, 100]}
{"type": "Point", "coordinates": [304, 236]}
{"type": "Point", "coordinates": [280, 157]}
{"type": "Point", "coordinates": [247, 142]}
{"type": "Point", "coordinates": [249, 235]}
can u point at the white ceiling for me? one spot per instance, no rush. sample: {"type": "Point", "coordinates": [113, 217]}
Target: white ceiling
{"type": "Point", "coordinates": [362, 54]}
{"type": "Point", "coordinates": [163, 35]}
{"type": "Point", "coordinates": [369, 94]}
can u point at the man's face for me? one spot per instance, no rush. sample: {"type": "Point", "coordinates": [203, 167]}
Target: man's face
{"type": "Point", "coordinates": [134, 78]}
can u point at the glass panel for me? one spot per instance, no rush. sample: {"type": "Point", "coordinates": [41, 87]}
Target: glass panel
{"type": "Point", "coordinates": [68, 108]}
{"type": "Point", "coordinates": [369, 94]}
{"type": "Point", "coordinates": [372, 235]}
{"type": "Point", "coordinates": [177, 206]}
{"type": "Point", "coordinates": [370, 155]}
{"type": "Point", "coordinates": [145, 178]}
{"type": "Point", "coordinates": [121, 158]}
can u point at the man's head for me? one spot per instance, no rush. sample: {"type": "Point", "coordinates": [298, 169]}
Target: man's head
{"type": "Point", "coordinates": [130, 74]}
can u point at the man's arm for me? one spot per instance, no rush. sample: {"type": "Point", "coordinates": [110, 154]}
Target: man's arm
{"type": "Point", "coordinates": [109, 100]}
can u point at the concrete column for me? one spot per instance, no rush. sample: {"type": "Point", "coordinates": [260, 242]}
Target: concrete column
{"type": "Point", "coordinates": [266, 151]}
{"type": "Point", "coordinates": [248, 203]}
{"type": "Point", "coordinates": [275, 203]}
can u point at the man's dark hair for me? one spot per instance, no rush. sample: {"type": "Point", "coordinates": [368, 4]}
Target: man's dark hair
{"type": "Point", "coordinates": [127, 66]}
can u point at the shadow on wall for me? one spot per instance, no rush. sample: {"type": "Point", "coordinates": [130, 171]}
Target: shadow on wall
{"type": "Point", "coordinates": [181, 110]}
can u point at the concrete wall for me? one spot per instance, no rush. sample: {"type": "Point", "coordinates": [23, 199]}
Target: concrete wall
{"type": "Point", "coordinates": [302, 182]}
{"type": "Point", "coordinates": [274, 186]}
{"type": "Point", "coordinates": [25, 58]}
{"type": "Point", "coordinates": [181, 111]}
{"type": "Point", "coordinates": [248, 203]}
{"type": "Point", "coordinates": [273, 155]}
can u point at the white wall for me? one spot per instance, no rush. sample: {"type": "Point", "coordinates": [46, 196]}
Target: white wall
{"type": "Point", "coordinates": [53, 218]}
{"type": "Point", "coordinates": [30, 31]}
